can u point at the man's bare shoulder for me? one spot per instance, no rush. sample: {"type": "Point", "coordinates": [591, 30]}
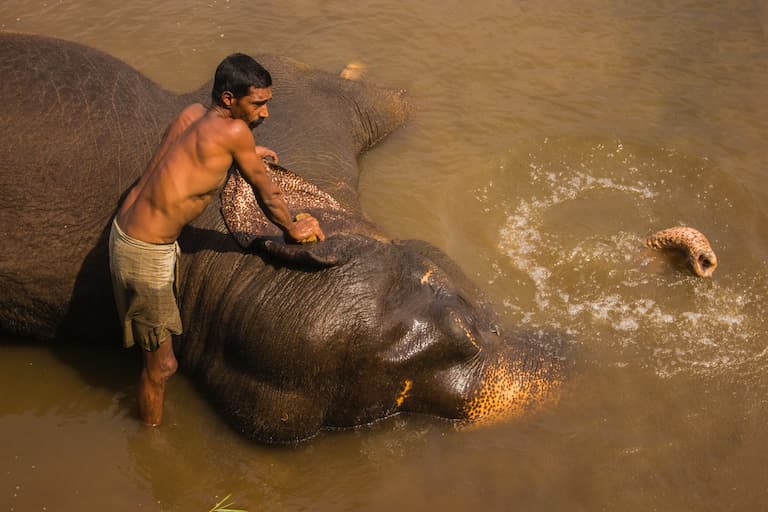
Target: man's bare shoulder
{"type": "Point", "coordinates": [239, 132]}
{"type": "Point", "coordinates": [232, 133]}
{"type": "Point", "coordinates": [183, 120]}
{"type": "Point", "coordinates": [191, 113]}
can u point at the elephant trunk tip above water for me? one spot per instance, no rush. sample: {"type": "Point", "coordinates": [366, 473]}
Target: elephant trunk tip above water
{"type": "Point", "coordinates": [286, 340]}
{"type": "Point", "coordinates": [692, 243]}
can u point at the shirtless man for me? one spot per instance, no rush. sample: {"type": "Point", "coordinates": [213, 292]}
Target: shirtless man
{"type": "Point", "coordinates": [188, 168]}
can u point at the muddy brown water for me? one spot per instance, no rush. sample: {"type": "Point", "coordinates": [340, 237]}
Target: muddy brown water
{"type": "Point", "coordinates": [549, 139]}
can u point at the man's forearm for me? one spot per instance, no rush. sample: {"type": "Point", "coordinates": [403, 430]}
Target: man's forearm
{"type": "Point", "coordinates": [269, 196]}
{"type": "Point", "coordinates": [276, 210]}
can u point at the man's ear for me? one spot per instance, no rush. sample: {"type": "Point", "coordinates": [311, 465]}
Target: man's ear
{"type": "Point", "coordinates": [227, 99]}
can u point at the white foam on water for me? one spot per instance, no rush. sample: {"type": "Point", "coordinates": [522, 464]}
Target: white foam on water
{"type": "Point", "coordinates": [606, 291]}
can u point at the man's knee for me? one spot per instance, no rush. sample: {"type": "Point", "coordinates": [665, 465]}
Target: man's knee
{"type": "Point", "coordinates": [161, 364]}
{"type": "Point", "coordinates": [167, 366]}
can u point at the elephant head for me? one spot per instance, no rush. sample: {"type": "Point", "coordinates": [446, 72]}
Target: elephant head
{"type": "Point", "coordinates": [350, 330]}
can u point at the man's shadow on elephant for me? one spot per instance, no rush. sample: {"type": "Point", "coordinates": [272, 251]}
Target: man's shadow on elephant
{"type": "Point", "coordinates": [89, 337]}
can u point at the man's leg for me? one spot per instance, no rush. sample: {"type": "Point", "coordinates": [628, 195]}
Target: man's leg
{"type": "Point", "coordinates": [158, 368]}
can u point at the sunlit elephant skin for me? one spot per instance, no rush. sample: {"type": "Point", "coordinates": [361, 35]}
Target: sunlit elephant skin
{"type": "Point", "coordinates": [286, 340]}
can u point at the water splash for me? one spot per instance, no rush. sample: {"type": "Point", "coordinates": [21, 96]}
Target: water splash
{"type": "Point", "coordinates": [598, 283]}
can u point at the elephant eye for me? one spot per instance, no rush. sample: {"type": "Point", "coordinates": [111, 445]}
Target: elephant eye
{"type": "Point", "coordinates": [462, 333]}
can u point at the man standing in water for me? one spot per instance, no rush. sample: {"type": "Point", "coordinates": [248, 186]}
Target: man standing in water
{"type": "Point", "coordinates": [187, 169]}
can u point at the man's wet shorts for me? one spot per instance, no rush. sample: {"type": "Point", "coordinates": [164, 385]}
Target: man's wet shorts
{"type": "Point", "coordinates": [144, 283]}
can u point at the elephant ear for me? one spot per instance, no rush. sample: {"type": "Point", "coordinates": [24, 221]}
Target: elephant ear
{"type": "Point", "coordinates": [250, 227]}
{"type": "Point", "coordinates": [334, 251]}
{"type": "Point", "coordinates": [245, 218]}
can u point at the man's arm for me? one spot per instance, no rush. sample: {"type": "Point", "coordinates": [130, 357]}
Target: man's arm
{"type": "Point", "coordinates": [269, 195]}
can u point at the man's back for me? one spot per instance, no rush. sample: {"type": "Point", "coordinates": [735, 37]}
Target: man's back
{"type": "Point", "coordinates": [189, 166]}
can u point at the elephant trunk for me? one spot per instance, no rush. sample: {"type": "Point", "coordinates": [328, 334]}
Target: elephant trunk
{"type": "Point", "coordinates": [494, 387]}
{"type": "Point", "coordinates": [692, 243]}
{"type": "Point", "coordinates": [509, 388]}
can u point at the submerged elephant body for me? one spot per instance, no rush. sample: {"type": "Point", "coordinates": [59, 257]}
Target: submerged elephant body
{"type": "Point", "coordinates": [287, 340]}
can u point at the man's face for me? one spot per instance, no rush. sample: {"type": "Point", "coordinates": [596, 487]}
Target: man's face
{"type": "Point", "coordinates": [252, 108]}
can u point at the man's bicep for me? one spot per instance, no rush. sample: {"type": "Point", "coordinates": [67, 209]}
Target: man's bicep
{"type": "Point", "coordinates": [253, 170]}
{"type": "Point", "coordinates": [246, 158]}
{"type": "Point", "coordinates": [251, 167]}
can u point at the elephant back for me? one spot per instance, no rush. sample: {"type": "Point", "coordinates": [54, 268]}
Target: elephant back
{"type": "Point", "coordinates": [77, 125]}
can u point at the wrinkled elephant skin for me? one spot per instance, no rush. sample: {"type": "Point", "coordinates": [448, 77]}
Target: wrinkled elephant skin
{"type": "Point", "coordinates": [286, 340]}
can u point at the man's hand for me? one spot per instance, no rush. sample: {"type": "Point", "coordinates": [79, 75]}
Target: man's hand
{"type": "Point", "coordinates": [305, 229]}
{"type": "Point", "coordinates": [266, 152]}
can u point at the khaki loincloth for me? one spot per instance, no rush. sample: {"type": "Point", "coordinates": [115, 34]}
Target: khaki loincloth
{"type": "Point", "coordinates": [143, 281]}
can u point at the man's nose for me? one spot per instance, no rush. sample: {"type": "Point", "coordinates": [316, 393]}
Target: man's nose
{"type": "Point", "coordinates": [264, 112]}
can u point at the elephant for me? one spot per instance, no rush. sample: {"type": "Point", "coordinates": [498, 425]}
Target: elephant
{"type": "Point", "coordinates": [285, 340]}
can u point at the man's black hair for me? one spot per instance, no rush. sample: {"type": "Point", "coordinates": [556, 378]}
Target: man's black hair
{"type": "Point", "coordinates": [237, 74]}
